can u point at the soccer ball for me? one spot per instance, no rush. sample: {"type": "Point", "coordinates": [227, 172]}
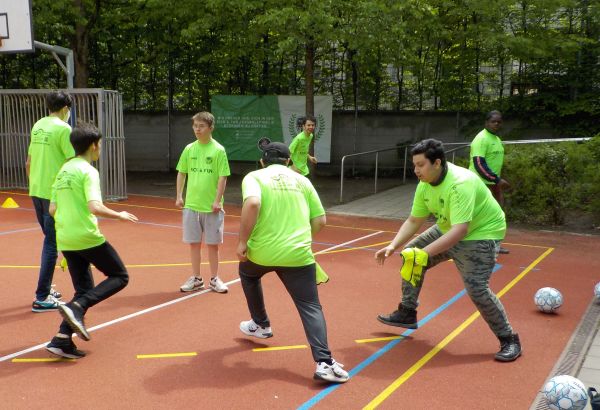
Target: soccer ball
{"type": "Point", "coordinates": [565, 392]}
{"type": "Point", "coordinates": [597, 292]}
{"type": "Point", "coordinates": [548, 300]}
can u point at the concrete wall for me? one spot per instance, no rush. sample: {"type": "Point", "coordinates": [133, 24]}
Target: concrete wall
{"type": "Point", "coordinates": [148, 147]}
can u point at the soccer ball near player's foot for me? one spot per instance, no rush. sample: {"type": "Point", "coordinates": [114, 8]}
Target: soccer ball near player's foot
{"type": "Point", "coordinates": [565, 392]}
{"type": "Point", "coordinates": [548, 300]}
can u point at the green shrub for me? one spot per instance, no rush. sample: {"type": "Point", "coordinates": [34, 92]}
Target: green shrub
{"type": "Point", "coordinates": [549, 180]}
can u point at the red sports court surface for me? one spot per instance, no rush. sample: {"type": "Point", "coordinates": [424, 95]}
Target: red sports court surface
{"type": "Point", "coordinates": [155, 347]}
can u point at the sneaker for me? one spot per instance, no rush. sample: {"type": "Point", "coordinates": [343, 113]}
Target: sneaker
{"type": "Point", "coordinates": [47, 305]}
{"type": "Point", "coordinates": [250, 328]}
{"type": "Point", "coordinates": [217, 285]}
{"type": "Point", "coordinates": [503, 251]}
{"type": "Point", "coordinates": [192, 284]}
{"type": "Point", "coordinates": [403, 317]}
{"type": "Point", "coordinates": [73, 314]}
{"type": "Point", "coordinates": [64, 347]}
{"type": "Point", "coordinates": [510, 348]}
{"type": "Point", "coordinates": [331, 372]}
{"type": "Point", "coordinates": [55, 294]}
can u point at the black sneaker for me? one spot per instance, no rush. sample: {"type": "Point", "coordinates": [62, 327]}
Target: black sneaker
{"type": "Point", "coordinates": [64, 347]}
{"type": "Point", "coordinates": [73, 314]}
{"type": "Point", "coordinates": [503, 251]}
{"type": "Point", "coordinates": [403, 317]}
{"type": "Point", "coordinates": [510, 348]}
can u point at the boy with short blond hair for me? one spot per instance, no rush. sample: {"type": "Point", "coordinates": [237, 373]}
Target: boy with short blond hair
{"type": "Point", "coordinates": [205, 166]}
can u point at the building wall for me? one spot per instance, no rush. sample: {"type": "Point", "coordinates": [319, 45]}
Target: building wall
{"type": "Point", "coordinates": [149, 148]}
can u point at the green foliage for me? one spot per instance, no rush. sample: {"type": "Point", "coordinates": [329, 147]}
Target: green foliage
{"type": "Point", "coordinates": [537, 59]}
{"type": "Point", "coordinates": [550, 180]}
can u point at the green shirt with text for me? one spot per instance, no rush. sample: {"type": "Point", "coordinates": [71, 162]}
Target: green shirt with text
{"type": "Point", "coordinates": [299, 151]}
{"type": "Point", "coordinates": [203, 164]}
{"type": "Point", "coordinates": [77, 183]}
{"type": "Point", "coordinates": [288, 201]}
{"type": "Point", "coordinates": [461, 197]}
{"type": "Point", "coordinates": [49, 148]}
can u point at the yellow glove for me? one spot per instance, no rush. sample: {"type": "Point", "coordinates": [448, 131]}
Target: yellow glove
{"type": "Point", "coordinates": [63, 264]}
{"type": "Point", "coordinates": [321, 275]}
{"type": "Point", "coordinates": [415, 260]}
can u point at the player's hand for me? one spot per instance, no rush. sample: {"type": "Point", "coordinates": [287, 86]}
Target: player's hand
{"type": "Point", "coordinates": [179, 202]}
{"type": "Point", "coordinates": [312, 159]}
{"type": "Point", "coordinates": [414, 261]}
{"type": "Point", "coordinates": [242, 252]}
{"type": "Point", "coordinates": [126, 216]}
{"type": "Point", "coordinates": [216, 206]}
{"type": "Point", "coordinates": [504, 185]}
{"type": "Point", "coordinates": [382, 254]}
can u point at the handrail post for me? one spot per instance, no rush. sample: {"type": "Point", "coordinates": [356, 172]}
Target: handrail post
{"type": "Point", "coordinates": [376, 169]}
{"type": "Point", "coordinates": [342, 180]}
{"type": "Point", "coordinates": [405, 163]}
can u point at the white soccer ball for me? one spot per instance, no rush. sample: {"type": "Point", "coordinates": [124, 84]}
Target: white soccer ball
{"type": "Point", "coordinates": [548, 300]}
{"type": "Point", "coordinates": [565, 392]}
{"type": "Point", "coordinates": [597, 292]}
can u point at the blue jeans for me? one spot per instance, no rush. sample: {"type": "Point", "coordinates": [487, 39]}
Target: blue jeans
{"type": "Point", "coordinates": [49, 252]}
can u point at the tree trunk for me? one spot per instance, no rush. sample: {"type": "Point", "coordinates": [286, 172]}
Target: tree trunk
{"type": "Point", "coordinates": [309, 80]}
{"type": "Point", "coordinates": [80, 45]}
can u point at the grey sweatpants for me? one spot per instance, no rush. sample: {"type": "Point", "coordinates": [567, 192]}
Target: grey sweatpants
{"type": "Point", "coordinates": [301, 285]}
{"type": "Point", "coordinates": [475, 261]}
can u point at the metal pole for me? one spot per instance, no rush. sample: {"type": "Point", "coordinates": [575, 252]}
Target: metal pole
{"type": "Point", "coordinates": [376, 169]}
{"type": "Point", "coordinates": [69, 69]}
{"type": "Point", "coordinates": [342, 180]}
{"type": "Point", "coordinates": [405, 163]}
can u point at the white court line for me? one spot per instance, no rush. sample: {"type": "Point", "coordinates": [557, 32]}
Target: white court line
{"type": "Point", "coordinates": [162, 305]}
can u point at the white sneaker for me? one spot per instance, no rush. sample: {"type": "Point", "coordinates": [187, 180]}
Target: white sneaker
{"type": "Point", "coordinates": [250, 328]}
{"type": "Point", "coordinates": [331, 373]}
{"type": "Point", "coordinates": [217, 285]}
{"type": "Point", "coordinates": [192, 284]}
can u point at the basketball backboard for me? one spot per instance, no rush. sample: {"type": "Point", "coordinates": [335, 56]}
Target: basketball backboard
{"type": "Point", "coordinates": [16, 26]}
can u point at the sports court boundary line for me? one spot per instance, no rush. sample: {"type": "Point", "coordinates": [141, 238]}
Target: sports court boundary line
{"type": "Point", "coordinates": [162, 305]}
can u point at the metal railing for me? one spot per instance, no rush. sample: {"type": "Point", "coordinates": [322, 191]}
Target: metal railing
{"type": "Point", "coordinates": [376, 152]}
{"type": "Point", "coordinates": [459, 146]}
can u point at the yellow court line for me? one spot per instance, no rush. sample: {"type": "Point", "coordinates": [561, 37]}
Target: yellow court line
{"type": "Point", "coordinates": [379, 339]}
{"type": "Point", "coordinates": [13, 193]}
{"type": "Point", "coordinates": [165, 355]}
{"type": "Point", "coordinates": [355, 248]}
{"type": "Point", "coordinates": [266, 349]}
{"type": "Point", "coordinates": [155, 207]}
{"type": "Point", "coordinates": [47, 359]}
{"type": "Point", "coordinates": [435, 350]}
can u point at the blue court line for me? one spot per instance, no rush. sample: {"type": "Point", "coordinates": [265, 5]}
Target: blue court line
{"type": "Point", "coordinates": [390, 345]}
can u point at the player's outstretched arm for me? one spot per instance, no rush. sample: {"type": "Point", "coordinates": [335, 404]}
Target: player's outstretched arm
{"type": "Point", "coordinates": [248, 220]}
{"type": "Point", "coordinates": [99, 209]}
{"type": "Point", "coordinates": [406, 231]}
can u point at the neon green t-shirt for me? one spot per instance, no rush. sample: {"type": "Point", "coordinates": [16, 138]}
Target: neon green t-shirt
{"type": "Point", "coordinates": [77, 183]}
{"type": "Point", "coordinates": [489, 146]}
{"type": "Point", "coordinates": [203, 164]}
{"type": "Point", "coordinates": [461, 197]}
{"type": "Point", "coordinates": [49, 148]}
{"type": "Point", "coordinates": [299, 151]}
{"type": "Point", "coordinates": [288, 201]}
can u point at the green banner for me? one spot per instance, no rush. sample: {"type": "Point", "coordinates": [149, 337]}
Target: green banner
{"type": "Point", "coordinates": [241, 120]}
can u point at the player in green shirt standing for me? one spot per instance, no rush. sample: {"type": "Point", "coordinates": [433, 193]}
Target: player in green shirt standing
{"type": "Point", "coordinates": [204, 164]}
{"type": "Point", "coordinates": [469, 225]}
{"type": "Point", "coordinates": [281, 213]}
{"type": "Point", "coordinates": [76, 201]}
{"type": "Point", "coordinates": [300, 146]}
{"type": "Point", "coordinates": [49, 149]}
{"type": "Point", "coordinates": [487, 158]}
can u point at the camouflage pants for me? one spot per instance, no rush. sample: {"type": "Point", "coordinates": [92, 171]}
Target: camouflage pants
{"type": "Point", "coordinates": [475, 261]}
